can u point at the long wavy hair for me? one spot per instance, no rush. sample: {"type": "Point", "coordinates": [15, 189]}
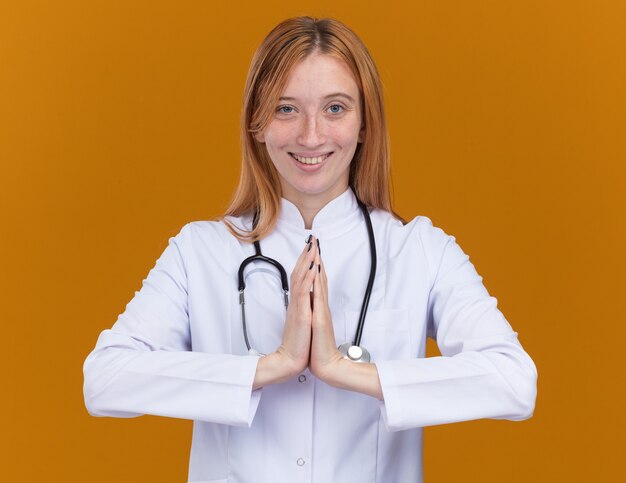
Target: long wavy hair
{"type": "Point", "coordinates": [259, 190]}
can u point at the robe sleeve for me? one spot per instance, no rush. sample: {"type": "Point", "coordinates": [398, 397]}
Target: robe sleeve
{"type": "Point", "coordinates": [483, 372]}
{"type": "Point", "coordinates": [144, 363]}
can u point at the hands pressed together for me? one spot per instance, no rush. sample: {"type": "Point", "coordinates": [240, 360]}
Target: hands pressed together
{"type": "Point", "coordinates": [309, 338]}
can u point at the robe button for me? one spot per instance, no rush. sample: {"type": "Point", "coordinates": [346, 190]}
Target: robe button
{"type": "Point", "coordinates": [300, 462]}
{"type": "Point", "coordinates": [301, 378]}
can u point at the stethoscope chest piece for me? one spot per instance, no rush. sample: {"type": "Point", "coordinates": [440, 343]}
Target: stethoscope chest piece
{"type": "Point", "coordinates": [354, 353]}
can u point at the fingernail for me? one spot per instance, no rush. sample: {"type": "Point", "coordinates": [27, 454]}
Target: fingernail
{"type": "Point", "coordinates": [308, 240]}
{"type": "Point", "coordinates": [310, 245]}
{"type": "Point", "coordinates": [312, 263]}
{"type": "Point", "coordinates": [318, 246]}
{"type": "Point", "coordinates": [319, 269]}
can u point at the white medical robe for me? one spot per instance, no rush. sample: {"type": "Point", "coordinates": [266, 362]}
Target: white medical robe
{"type": "Point", "coordinates": [178, 351]}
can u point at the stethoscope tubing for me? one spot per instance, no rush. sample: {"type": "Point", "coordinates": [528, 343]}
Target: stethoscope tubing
{"type": "Point", "coordinates": [370, 281]}
{"type": "Point", "coordinates": [362, 354]}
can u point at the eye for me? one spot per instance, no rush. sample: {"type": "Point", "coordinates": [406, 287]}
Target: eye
{"type": "Point", "coordinates": [336, 108]}
{"type": "Point", "coordinates": [284, 109]}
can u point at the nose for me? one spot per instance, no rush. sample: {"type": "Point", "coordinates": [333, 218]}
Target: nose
{"type": "Point", "coordinates": [311, 132]}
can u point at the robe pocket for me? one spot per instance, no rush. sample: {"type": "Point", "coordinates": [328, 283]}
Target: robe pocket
{"type": "Point", "coordinates": [386, 333]}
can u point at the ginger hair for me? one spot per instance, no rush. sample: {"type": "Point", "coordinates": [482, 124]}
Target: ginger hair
{"type": "Point", "coordinates": [259, 188]}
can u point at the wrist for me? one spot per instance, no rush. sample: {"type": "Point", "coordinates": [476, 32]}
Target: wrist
{"type": "Point", "coordinates": [273, 368]}
{"type": "Point", "coordinates": [355, 376]}
{"type": "Point", "coordinates": [333, 372]}
{"type": "Point", "coordinates": [337, 374]}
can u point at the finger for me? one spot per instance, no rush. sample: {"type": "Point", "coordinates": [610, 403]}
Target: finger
{"type": "Point", "coordinates": [321, 283]}
{"type": "Point", "coordinates": [316, 271]}
{"type": "Point", "coordinates": [305, 254]}
{"type": "Point", "coordinates": [315, 295]}
{"type": "Point", "coordinates": [302, 264]}
{"type": "Point", "coordinates": [322, 280]}
{"type": "Point", "coordinates": [304, 275]}
{"type": "Point", "coordinates": [310, 264]}
{"type": "Point", "coordinates": [322, 319]}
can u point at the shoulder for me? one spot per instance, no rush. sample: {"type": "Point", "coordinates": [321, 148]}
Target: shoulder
{"type": "Point", "coordinates": [419, 231]}
{"type": "Point", "coordinates": [416, 241]}
{"type": "Point", "coordinates": [195, 231]}
{"type": "Point", "coordinates": [206, 235]}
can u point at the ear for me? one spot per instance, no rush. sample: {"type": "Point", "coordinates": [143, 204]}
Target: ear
{"type": "Point", "coordinates": [260, 137]}
{"type": "Point", "coordinates": [361, 133]}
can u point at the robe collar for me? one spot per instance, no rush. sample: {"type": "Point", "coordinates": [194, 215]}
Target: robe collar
{"type": "Point", "coordinates": [334, 217]}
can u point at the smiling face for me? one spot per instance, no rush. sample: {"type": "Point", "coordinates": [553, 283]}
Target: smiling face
{"type": "Point", "coordinates": [315, 130]}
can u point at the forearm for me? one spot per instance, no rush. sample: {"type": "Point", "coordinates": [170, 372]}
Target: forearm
{"type": "Point", "coordinates": [124, 378]}
{"type": "Point", "coordinates": [499, 383]}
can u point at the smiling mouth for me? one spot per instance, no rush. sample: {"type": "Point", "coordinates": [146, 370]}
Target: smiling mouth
{"type": "Point", "coordinates": [314, 160]}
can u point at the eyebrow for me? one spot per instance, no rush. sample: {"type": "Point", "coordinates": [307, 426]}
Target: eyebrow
{"type": "Point", "coordinates": [335, 94]}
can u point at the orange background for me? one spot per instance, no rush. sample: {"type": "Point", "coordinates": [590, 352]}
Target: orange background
{"type": "Point", "coordinates": [119, 124]}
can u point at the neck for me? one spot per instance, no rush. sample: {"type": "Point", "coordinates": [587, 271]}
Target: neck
{"type": "Point", "coordinates": [308, 213]}
{"type": "Point", "coordinates": [310, 205]}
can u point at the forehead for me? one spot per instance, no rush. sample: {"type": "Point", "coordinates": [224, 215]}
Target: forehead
{"type": "Point", "coordinates": [318, 75]}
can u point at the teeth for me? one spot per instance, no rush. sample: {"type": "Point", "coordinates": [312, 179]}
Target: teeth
{"type": "Point", "coordinates": [316, 160]}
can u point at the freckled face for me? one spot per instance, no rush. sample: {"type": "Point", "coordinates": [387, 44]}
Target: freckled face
{"type": "Point", "coordinates": [315, 130]}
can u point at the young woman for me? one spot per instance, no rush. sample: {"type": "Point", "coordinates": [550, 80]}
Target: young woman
{"type": "Point", "coordinates": [317, 373]}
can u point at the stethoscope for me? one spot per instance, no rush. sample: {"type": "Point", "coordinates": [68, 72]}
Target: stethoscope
{"type": "Point", "coordinates": [349, 350]}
